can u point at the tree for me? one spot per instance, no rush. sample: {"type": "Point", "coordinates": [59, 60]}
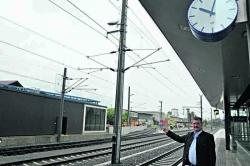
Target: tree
{"type": "Point", "coordinates": [205, 122]}
{"type": "Point", "coordinates": [111, 116]}
{"type": "Point", "coordinates": [124, 116]}
{"type": "Point", "coordinates": [169, 112]}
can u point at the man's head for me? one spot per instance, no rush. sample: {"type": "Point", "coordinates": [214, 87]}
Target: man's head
{"type": "Point", "coordinates": [197, 124]}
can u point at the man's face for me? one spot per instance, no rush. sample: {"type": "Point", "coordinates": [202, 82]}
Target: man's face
{"type": "Point", "coordinates": [197, 125]}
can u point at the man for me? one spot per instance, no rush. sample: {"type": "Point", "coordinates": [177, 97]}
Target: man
{"type": "Point", "coordinates": [199, 147]}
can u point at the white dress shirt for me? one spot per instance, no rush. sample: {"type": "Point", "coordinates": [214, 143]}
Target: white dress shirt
{"type": "Point", "coordinates": [192, 150]}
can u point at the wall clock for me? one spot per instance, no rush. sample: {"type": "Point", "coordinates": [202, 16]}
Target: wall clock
{"type": "Point", "coordinates": [212, 20]}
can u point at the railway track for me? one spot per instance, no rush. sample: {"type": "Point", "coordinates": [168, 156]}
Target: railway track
{"type": "Point", "coordinates": [59, 146]}
{"type": "Point", "coordinates": [102, 155]}
{"type": "Point", "coordinates": [164, 159]}
{"type": "Point", "coordinates": [77, 158]}
{"type": "Point", "coordinates": [170, 158]}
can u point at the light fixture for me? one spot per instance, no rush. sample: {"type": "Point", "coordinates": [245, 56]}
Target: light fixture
{"type": "Point", "coordinates": [1, 140]}
{"type": "Point", "coordinates": [235, 77]}
{"type": "Point", "coordinates": [184, 28]}
{"type": "Point", "coordinates": [202, 70]}
{"type": "Point", "coordinates": [113, 23]}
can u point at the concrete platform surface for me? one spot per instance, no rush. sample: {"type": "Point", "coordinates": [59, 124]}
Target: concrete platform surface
{"type": "Point", "coordinates": [15, 141]}
{"type": "Point", "coordinates": [224, 157]}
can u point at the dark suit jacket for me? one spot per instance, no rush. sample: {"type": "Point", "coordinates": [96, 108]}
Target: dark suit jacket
{"type": "Point", "coordinates": [205, 147]}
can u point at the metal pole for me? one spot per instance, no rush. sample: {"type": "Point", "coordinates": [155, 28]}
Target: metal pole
{"type": "Point", "coordinates": [161, 115]}
{"type": "Point", "coordinates": [211, 119]}
{"type": "Point", "coordinates": [188, 119]}
{"type": "Point", "coordinates": [227, 121]}
{"type": "Point", "coordinates": [201, 106]}
{"type": "Point", "coordinates": [60, 118]}
{"type": "Point", "coordinates": [116, 144]}
{"type": "Point", "coordinates": [128, 106]}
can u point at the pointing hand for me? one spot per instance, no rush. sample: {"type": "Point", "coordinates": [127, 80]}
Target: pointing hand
{"type": "Point", "coordinates": [165, 130]}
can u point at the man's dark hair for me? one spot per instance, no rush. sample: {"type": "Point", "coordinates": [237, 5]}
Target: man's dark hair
{"type": "Point", "coordinates": [197, 118]}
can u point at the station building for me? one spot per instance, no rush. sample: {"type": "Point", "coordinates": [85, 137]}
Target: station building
{"type": "Point", "coordinates": [31, 112]}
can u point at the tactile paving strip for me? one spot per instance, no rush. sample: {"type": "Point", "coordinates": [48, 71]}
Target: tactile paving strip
{"type": "Point", "coordinates": [221, 154]}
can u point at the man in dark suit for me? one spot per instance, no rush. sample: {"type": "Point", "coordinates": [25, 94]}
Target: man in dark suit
{"type": "Point", "coordinates": [199, 148]}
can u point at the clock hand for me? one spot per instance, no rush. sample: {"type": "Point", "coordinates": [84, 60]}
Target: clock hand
{"type": "Point", "coordinates": [212, 8]}
{"type": "Point", "coordinates": [207, 11]}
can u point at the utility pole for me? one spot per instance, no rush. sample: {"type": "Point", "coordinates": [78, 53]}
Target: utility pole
{"type": "Point", "coordinates": [128, 106]}
{"type": "Point", "coordinates": [116, 139]}
{"type": "Point", "coordinates": [60, 118]}
{"type": "Point", "coordinates": [188, 118]}
{"type": "Point", "coordinates": [161, 115]}
{"type": "Point", "coordinates": [201, 105]}
{"type": "Point", "coordinates": [211, 119]}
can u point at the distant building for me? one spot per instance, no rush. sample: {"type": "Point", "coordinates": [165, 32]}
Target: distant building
{"type": "Point", "coordinates": [156, 116]}
{"type": "Point", "coordinates": [140, 118]}
{"type": "Point", "coordinates": [175, 112]}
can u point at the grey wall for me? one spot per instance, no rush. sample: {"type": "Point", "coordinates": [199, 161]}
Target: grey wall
{"type": "Point", "coordinates": [27, 114]}
{"type": "Point", "coordinates": [145, 116]}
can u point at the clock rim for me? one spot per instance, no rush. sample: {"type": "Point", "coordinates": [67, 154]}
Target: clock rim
{"type": "Point", "coordinates": [214, 37]}
{"type": "Point", "coordinates": [233, 22]}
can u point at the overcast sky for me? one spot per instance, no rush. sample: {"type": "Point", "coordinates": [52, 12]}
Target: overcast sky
{"type": "Point", "coordinates": [64, 39]}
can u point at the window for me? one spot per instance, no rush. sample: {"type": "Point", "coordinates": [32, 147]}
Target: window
{"type": "Point", "coordinates": [95, 119]}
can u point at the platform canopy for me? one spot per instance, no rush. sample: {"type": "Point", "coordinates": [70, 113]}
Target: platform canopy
{"type": "Point", "coordinates": [220, 69]}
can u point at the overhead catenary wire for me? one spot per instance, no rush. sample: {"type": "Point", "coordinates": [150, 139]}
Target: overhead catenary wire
{"type": "Point", "coordinates": [68, 48]}
{"type": "Point", "coordinates": [163, 75]}
{"type": "Point", "coordinates": [77, 83]}
{"type": "Point", "coordinates": [100, 95]}
{"type": "Point", "coordinates": [37, 79]}
{"type": "Point", "coordinates": [92, 20]}
{"type": "Point", "coordinates": [153, 39]}
{"type": "Point", "coordinates": [154, 42]}
{"type": "Point", "coordinates": [150, 63]}
{"type": "Point", "coordinates": [159, 80]}
{"type": "Point", "coordinates": [54, 41]}
{"type": "Point", "coordinates": [9, 57]}
{"type": "Point", "coordinates": [112, 52]}
{"type": "Point", "coordinates": [142, 59]}
{"type": "Point", "coordinates": [82, 21]}
{"type": "Point", "coordinates": [150, 38]}
{"type": "Point", "coordinates": [41, 56]}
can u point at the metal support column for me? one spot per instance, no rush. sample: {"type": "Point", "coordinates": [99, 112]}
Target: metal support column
{"type": "Point", "coordinates": [161, 115]}
{"type": "Point", "coordinates": [129, 106]}
{"type": "Point", "coordinates": [60, 118]}
{"type": "Point", "coordinates": [116, 144]}
{"type": "Point", "coordinates": [201, 105]}
{"type": "Point", "coordinates": [211, 119]}
{"type": "Point", "coordinates": [248, 41]}
{"type": "Point", "coordinates": [227, 122]}
{"type": "Point", "coordinates": [188, 118]}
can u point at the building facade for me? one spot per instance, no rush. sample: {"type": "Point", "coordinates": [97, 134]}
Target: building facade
{"type": "Point", "coordinates": [26, 112]}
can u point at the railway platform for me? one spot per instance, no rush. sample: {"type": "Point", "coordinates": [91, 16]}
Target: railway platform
{"type": "Point", "coordinates": [15, 141]}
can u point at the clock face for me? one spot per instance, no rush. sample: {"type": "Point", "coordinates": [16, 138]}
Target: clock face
{"type": "Point", "coordinates": [212, 16]}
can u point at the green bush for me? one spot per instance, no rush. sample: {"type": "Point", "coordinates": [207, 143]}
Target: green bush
{"type": "Point", "coordinates": [154, 126]}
